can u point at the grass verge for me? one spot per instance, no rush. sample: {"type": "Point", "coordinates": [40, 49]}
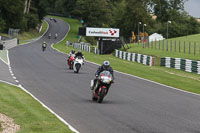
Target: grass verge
{"type": "Point", "coordinates": [175, 78]}
{"type": "Point", "coordinates": [192, 49]}
{"type": "Point", "coordinates": [27, 112]}
{"type": "Point", "coordinates": [26, 37]}
{"type": "Point", "coordinates": [3, 55]}
{"type": "Point", "coordinates": [32, 34]}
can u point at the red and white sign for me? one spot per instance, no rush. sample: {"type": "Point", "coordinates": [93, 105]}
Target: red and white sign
{"type": "Point", "coordinates": [102, 32]}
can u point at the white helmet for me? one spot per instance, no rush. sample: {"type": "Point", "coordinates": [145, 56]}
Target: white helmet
{"type": "Point", "coordinates": [106, 64]}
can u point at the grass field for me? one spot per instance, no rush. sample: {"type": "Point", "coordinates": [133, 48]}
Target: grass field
{"type": "Point", "coordinates": [27, 112]}
{"type": "Point", "coordinates": [175, 78]}
{"type": "Point", "coordinates": [187, 47]}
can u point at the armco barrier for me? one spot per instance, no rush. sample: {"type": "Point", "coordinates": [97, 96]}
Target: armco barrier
{"type": "Point", "coordinates": [144, 59]}
{"type": "Point", "coordinates": [85, 47]}
{"type": "Point", "coordinates": [7, 44]}
{"type": "Point", "coordinates": [182, 64]}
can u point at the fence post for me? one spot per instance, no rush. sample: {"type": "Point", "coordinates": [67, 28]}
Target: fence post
{"type": "Point", "coordinates": [194, 48]}
{"type": "Point", "coordinates": [175, 46]}
{"type": "Point", "coordinates": [179, 46]}
{"type": "Point", "coordinates": [199, 48]}
{"type": "Point", "coordinates": [159, 44]}
{"type": "Point", "coordinates": [184, 47]}
{"type": "Point", "coordinates": [189, 47]}
{"type": "Point", "coordinates": [167, 46]}
{"type": "Point", "coordinates": [170, 45]}
{"type": "Point", "coordinates": [163, 45]}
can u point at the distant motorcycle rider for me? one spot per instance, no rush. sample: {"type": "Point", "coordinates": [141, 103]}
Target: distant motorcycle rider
{"type": "Point", "coordinates": [56, 35]}
{"type": "Point", "coordinates": [44, 45]}
{"type": "Point", "coordinates": [79, 54]}
{"type": "Point", "coordinates": [49, 35]}
{"type": "Point", "coordinates": [104, 67]}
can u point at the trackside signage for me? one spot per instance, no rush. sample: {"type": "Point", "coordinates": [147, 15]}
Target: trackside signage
{"type": "Point", "coordinates": [102, 32]}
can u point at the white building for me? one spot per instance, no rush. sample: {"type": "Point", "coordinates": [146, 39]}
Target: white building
{"type": "Point", "coordinates": [155, 37]}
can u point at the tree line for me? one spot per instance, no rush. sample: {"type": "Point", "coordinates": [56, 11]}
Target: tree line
{"type": "Point", "coordinates": [21, 14]}
{"type": "Point", "coordinates": [123, 14]}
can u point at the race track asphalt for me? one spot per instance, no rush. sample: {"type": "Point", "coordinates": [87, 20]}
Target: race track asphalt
{"type": "Point", "coordinates": [132, 105]}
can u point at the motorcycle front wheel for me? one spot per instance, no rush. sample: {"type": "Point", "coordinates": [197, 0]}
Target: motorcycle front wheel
{"type": "Point", "coordinates": [101, 95]}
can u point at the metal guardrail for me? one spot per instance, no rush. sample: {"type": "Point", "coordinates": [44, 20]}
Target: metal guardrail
{"type": "Point", "coordinates": [84, 46]}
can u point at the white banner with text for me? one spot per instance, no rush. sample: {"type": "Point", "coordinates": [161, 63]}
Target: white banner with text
{"type": "Point", "coordinates": [102, 32]}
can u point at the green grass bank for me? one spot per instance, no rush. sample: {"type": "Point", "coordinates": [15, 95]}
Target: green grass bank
{"type": "Point", "coordinates": [187, 47]}
{"type": "Point", "coordinates": [27, 112]}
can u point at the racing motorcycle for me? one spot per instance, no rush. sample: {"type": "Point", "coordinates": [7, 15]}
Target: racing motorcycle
{"type": "Point", "coordinates": [102, 86]}
{"type": "Point", "coordinates": [78, 62]}
{"type": "Point", "coordinates": [44, 45]}
{"type": "Point", "coordinates": [71, 61]}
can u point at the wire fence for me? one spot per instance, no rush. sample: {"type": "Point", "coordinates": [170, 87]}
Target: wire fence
{"type": "Point", "coordinates": [189, 47]}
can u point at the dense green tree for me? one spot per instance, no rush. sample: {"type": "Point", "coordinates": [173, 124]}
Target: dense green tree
{"type": "Point", "coordinates": [129, 13]}
{"type": "Point", "coordinates": [167, 9]}
{"type": "Point", "coordinates": [94, 12]}
{"type": "Point", "coordinates": [65, 6]}
{"type": "Point", "coordinates": [50, 7]}
{"type": "Point", "coordinates": [12, 13]}
{"type": "Point", "coordinates": [2, 23]}
{"type": "Point", "coordinates": [40, 5]}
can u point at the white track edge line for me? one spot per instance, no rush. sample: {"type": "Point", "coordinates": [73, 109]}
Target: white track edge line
{"type": "Point", "coordinates": [4, 60]}
{"type": "Point", "coordinates": [20, 86]}
{"type": "Point", "coordinates": [61, 119]}
{"type": "Point", "coordinates": [8, 83]}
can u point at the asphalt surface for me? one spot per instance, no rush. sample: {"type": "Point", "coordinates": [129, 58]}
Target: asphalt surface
{"type": "Point", "coordinates": [5, 73]}
{"type": "Point", "coordinates": [132, 105]}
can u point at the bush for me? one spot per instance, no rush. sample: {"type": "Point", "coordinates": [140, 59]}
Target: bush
{"type": "Point", "coordinates": [2, 24]}
{"type": "Point", "coordinates": [91, 40]}
{"type": "Point", "coordinates": [32, 20]}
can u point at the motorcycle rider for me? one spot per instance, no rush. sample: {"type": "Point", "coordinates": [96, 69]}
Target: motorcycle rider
{"type": "Point", "coordinates": [104, 67]}
{"type": "Point", "coordinates": [56, 35]}
{"type": "Point", "coordinates": [72, 53]}
{"type": "Point", "coordinates": [79, 54]}
{"type": "Point", "coordinates": [49, 35]}
{"type": "Point", "coordinates": [44, 45]}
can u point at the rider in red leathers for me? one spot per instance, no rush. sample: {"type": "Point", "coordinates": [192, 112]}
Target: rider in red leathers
{"type": "Point", "coordinates": [71, 59]}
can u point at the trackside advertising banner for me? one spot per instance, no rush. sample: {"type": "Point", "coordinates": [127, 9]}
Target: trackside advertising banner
{"type": "Point", "coordinates": [102, 32]}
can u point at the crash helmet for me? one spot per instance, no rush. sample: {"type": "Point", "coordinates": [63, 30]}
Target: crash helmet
{"type": "Point", "coordinates": [106, 64]}
{"type": "Point", "coordinates": [73, 51]}
{"type": "Point", "coordinates": [79, 52]}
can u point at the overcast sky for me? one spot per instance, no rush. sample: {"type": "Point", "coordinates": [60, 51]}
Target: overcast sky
{"type": "Point", "coordinates": [193, 8]}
